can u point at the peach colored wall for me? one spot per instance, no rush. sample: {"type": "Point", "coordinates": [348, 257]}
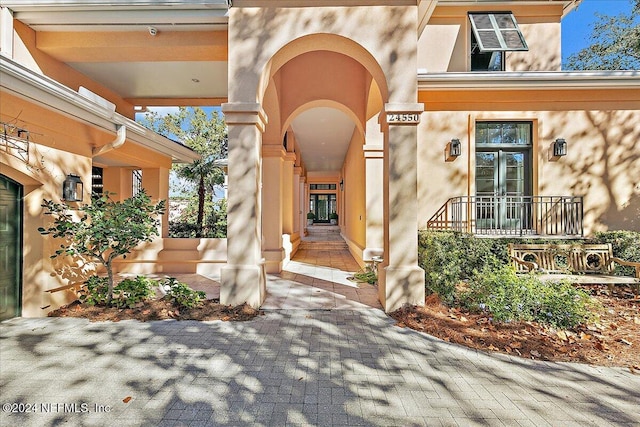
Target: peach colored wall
{"type": "Point", "coordinates": [355, 205]}
{"type": "Point", "coordinates": [602, 164]}
{"type": "Point", "coordinates": [444, 45]}
{"type": "Point", "coordinates": [201, 256]}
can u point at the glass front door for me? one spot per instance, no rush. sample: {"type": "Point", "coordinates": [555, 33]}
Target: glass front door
{"type": "Point", "coordinates": [503, 176]}
{"type": "Point", "coordinates": [322, 205]}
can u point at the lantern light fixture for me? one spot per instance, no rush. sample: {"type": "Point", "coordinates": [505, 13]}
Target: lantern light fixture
{"type": "Point", "coordinates": [559, 147]}
{"type": "Point", "coordinates": [72, 188]}
{"type": "Point", "coordinates": [455, 148]}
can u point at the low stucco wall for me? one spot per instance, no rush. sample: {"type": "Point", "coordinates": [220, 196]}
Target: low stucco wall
{"type": "Point", "coordinates": [172, 255]}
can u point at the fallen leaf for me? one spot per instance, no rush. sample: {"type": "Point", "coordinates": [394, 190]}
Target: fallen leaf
{"type": "Point", "coordinates": [226, 318]}
{"type": "Point", "coordinates": [636, 320]}
{"type": "Point", "coordinates": [584, 336]}
{"type": "Point", "coordinates": [602, 347]}
{"type": "Point", "coordinates": [535, 353]}
{"type": "Point", "coordinates": [508, 349]}
{"type": "Point", "coordinates": [492, 348]}
{"type": "Point", "coordinates": [145, 312]}
{"type": "Point", "coordinates": [613, 326]}
{"type": "Point", "coordinates": [562, 335]}
{"type": "Point", "coordinates": [127, 399]}
{"type": "Point", "coordinates": [623, 341]}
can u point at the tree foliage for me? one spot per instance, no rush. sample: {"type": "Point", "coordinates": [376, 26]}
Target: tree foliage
{"type": "Point", "coordinates": [615, 43]}
{"type": "Point", "coordinates": [204, 133]}
{"type": "Point", "coordinates": [103, 230]}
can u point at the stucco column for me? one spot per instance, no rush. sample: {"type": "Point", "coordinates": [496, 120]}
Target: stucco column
{"type": "Point", "coordinates": [272, 164]}
{"type": "Point", "coordinates": [287, 192]}
{"type": "Point", "coordinates": [401, 281]}
{"type": "Point", "coordinates": [297, 194]}
{"type": "Point", "coordinates": [155, 181]}
{"type": "Point", "coordinates": [374, 172]}
{"type": "Point", "coordinates": [243, 278]}
{"type": "Point", "coordinates": [304, 205]}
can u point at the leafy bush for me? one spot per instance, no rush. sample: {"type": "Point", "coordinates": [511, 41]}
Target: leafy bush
{"type": "Point", "coordinates": [181, 294]}
{"type": "Point", "coordinates": [625, 245]}
{"type": "Point", "coordinates": [95, 291]}
{"type": "Point", "coordinates": [449, 257]}
{"type": "Point", "coordinates": [129, 292]}
{"type": "Point", "coordinates": [507, 297]}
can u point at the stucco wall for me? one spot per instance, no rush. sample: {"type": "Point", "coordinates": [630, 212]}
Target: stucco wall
{"type": "Point", "coordinates": [444, 45]}
{"type": "Point", "coordinates": [354, 229]}
{"type": "Point", "coordinates": [602, 164]}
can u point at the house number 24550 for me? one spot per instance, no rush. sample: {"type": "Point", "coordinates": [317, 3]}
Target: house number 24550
{"type": "Point", "coordinates": [403, 118]}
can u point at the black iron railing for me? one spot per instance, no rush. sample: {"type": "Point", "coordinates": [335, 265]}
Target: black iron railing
{"type": "Point", "coordinates": [511, 215]}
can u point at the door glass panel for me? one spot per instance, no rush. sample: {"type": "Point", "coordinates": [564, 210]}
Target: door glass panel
{"type": "Point", "coordinates": [515, 174]}
{"type": "Point", "coordinates": [486, 171]}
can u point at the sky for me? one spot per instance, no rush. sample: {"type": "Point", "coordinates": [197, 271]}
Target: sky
{"type": "Point", "coordinates": [576, 26]}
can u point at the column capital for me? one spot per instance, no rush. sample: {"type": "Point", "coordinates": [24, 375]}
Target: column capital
{"type": "Point", "coordinates": [297, 170]}
{"type": "Point", "coordinates": [290, 157]}
{"type": "Point", "coordinates": [245, 113]}
{"type": "Point", "coordinates": [273, 151]}
{"type": "Point", "coordinates": [372, 151]}
{"type": "Point", "coordinates": [402, 114]}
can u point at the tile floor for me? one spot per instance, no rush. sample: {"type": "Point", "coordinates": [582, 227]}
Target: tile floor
{"type": "Point", "coordinates": [318, 280]}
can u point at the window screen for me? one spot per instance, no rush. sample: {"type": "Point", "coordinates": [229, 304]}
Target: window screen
{"type": "Point", "coordinates": [497, 32]}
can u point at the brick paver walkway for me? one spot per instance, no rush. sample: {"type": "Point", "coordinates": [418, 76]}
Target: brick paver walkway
{"type": "Point", "coordinates": [288, 367]}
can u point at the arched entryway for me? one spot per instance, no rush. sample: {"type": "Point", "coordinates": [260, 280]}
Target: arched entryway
{"type": "Point", "coordinates": [11, 247]}
{"type": "Point", "coordinates": [356, 69]}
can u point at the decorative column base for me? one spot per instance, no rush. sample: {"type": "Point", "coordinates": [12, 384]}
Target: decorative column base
{"type": "Point", "coordinates": [403, 285]}
{"type": "Point", "coordinates": [238, 285]}
{"type": "Point", "coordinates": [273, 260]}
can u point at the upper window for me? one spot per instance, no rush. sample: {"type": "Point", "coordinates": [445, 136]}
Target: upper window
{"type": "Point", "coordinates": [503, 133]}
{"type": "Point", "coordinates": [493, 34]}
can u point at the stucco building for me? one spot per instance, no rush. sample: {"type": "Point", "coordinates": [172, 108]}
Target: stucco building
{"type": "Point", "coordinates": [394, 114]}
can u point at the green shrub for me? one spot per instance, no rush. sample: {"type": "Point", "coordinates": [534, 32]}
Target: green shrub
{"type": "Point", "coordinates": [95, 291]}
{"type": "Point", "coordinates": [129, 292]}
{"type": "Point", "coordinates": [507, 297]}
{"type": "Point", "coordinates": [625, 245]}
{"type": "Point", "coordinates": [181, 294]}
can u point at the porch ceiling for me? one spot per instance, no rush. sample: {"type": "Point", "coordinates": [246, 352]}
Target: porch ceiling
{"type": "Point", "coordinates": [323, 135]}
{"type": "Point", "coordinates": [112, 44]}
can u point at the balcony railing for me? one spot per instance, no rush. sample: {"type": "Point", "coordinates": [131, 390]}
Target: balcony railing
{"type": "Point", "coordinates": [511, 215]}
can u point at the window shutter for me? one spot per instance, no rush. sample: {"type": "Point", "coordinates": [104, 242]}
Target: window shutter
{"type": "Point", "coordinates": [497, 32]}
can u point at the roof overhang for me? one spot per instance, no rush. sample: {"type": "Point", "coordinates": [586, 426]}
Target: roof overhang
{"type": "Point", "coordinates": [41, 90]}
{"type": "Point", "coordinates": [542, 80]}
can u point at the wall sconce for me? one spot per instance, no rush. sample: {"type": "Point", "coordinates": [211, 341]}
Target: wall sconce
{"type": "Point", "coordinates": [559, 147]}
{"type": "Point", "coordinates": [455, 148]}
{"type": "Point", "coordinates": [341, 185]}
{"type": "Point", "coordinates": [72, 188]}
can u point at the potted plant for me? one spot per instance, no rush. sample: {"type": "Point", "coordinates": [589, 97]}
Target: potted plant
{"type": "Point", "coordinates": [334, 218]}
{"type": "Point", "coordinates": [310, 217]}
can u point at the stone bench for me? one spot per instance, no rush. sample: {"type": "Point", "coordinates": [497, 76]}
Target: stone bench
{"type": "Point", "coordinates": [580, 263]}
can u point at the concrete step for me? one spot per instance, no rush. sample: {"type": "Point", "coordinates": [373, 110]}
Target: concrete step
{"type": "Point", "coordinates": [323, 246]}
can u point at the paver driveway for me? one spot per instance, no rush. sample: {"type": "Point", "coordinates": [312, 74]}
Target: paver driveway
{"type": "Point", "coordinates": [288, 367]}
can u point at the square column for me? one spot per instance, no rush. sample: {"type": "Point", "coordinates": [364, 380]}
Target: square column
{"type": "Point", "coordinates": [272, 165]}
{"type": "Point", "coordinates": [401, 281]}
{"type": "Point", "coordinates": [374, 172]}
{"type": "Point", "coordinates": [243, 278]}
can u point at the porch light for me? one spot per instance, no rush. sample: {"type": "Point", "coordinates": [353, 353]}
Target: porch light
{"type": "Point", "coordinates": [72, 188]}
{"type": "Point", "coordinates": [455, 148]}
{"type": "Point", "coordinates": [559, 147]}
{"type": "Point", "coordinates": [341, 185]}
